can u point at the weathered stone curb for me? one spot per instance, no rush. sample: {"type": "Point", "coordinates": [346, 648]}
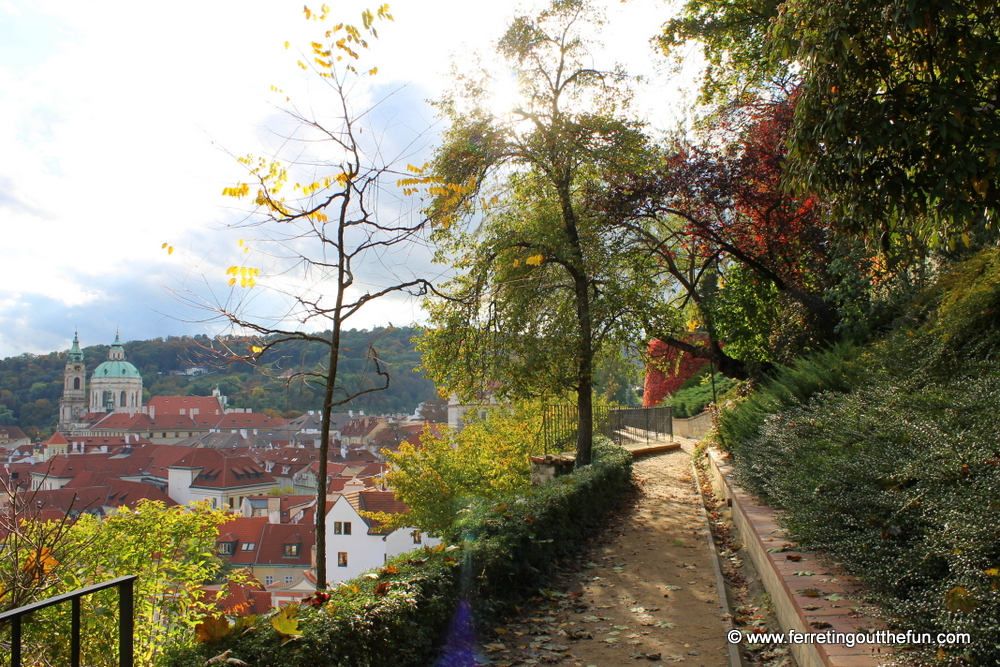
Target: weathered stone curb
{"type": "Point", "coordinates": [758, 527]}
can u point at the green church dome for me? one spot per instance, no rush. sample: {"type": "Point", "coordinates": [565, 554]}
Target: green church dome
{"type": "Point", "coordinates": [116, 366]}
{"type": "Point", "coordinates": [116, 369]}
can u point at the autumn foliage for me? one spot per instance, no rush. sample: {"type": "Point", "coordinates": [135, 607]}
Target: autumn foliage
{"type": "Point", "coordinates": [667, 370]}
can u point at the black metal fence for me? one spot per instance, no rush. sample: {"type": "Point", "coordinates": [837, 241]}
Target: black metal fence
{"type": "Point", "coordinates": [126, 620]}
{"type": "Point", "coordinates": [623, 425]}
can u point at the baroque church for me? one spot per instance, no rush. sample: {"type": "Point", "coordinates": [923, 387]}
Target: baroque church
{"type": "Point", "coordinates": [114, 385]}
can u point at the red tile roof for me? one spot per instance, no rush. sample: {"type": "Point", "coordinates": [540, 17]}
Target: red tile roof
{"type": "Point", "coordinates": [376, 501]}
{"type": "Point", "coordinates": [274, 538]}
{"type": "Point", "coordinates": [221, 472]}
{"type": "Point", "coordinates": [182, 405]}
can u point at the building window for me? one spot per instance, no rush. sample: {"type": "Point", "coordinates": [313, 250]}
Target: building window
{"type": "Point", "coordinates": [341, 527]}
{"type": "Point", "coordinates": [249, 546]}
{"type": "Point", "coordinates": [292, 550]}
{"type": "Point", "coordinates": [341, 559]}
{"type": "Point", "coordinates": [226, 548]}
{"type": "Point", "coordinates": [268, 580]}
{"type": "Point", "coordinates": [289, 579]}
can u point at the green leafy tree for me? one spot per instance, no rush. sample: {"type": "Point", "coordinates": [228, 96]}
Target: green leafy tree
{"type": "Point", "coordinates": [898, 122]}
{"type": "Point", "coordinates": [733, 38]}
{"type": "Point", "coordinates": [541, 285]}
{"type": "Point", "coordinates": [171, 550]}
{"type": "Point", "coordinates": [487, 461]}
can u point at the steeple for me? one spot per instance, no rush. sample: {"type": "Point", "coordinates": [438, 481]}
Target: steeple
{"type": "Point", "coordinates": [75, 354]}
{"type": "Point", "coordinates": [73, 404]}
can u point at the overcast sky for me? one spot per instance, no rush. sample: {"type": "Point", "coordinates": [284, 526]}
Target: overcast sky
{"type": "Point", "coordinates": [119, 123]}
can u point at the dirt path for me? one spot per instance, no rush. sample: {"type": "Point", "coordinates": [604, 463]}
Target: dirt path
{"type": "Point", "coordinates": [643, 593]}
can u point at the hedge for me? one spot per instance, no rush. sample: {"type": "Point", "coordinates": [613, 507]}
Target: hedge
{"type": "Point", "coordinates": [423, 606]}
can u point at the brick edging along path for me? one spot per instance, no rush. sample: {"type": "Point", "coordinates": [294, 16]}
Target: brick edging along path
{"type": "Point", "coordinates": [819, 602]}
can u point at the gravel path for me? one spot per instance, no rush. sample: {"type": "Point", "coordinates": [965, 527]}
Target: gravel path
{"type": "Point", "coordinates": [642, 593]}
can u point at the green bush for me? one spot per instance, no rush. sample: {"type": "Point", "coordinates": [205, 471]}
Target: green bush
{"type": "Point", "coordinates": [697, 393]}
{"type": "Point", "coordinates": [837, 369]}
{"type": "Point", "coordinates": [889, 460]}
{"type": "Point", "coordinates": [403, 613]}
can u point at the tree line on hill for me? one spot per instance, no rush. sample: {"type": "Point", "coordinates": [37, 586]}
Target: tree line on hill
{"type": "Point", "coordinates": [31, 384]}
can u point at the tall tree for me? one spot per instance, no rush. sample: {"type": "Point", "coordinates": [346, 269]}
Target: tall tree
{"type": "Point", "coordinates": [537, 295]}
{"type": "Point", "coordinates": [321, 237]}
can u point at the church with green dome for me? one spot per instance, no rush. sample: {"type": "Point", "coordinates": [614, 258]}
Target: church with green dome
{"type": "Point", "coordinates": [115, 385]}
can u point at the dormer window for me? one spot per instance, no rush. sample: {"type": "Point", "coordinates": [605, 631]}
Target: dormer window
{"type": "Point", "coordinates": [227, 548]}
{"type": "Point", "coordinates": [292, 550]}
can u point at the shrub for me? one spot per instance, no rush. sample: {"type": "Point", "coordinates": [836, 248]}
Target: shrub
{"type": "Point", "coordinates": [403, 613]}
{"type": "Point", "coordinates": [889, 459]}
{"type": "Point", "coordinates": [697, 394]}
{"type": "Point", "coordinates": [837, 369]}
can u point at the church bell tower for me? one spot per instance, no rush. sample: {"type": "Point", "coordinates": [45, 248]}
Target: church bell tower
{"type": "Point", "coordinates": [73, 404]}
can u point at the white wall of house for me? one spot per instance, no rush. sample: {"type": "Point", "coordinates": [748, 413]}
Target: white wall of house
{"type": "Point", "coordinates": [179, 482]}
{"type": "Point", "coordinates": [363, 551]}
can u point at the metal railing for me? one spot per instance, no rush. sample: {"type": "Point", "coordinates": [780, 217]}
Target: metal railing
{"type": "Point", "coordinates": [623, 425]}
{"type": "Point", "coordinates": [126, 620]}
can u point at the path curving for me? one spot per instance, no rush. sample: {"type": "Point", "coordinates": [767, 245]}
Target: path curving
{"type": "Point", "coordinates": [643, 592]}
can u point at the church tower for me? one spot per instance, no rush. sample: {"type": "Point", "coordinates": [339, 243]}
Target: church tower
{"type": "Point", "coordinates": [73, 404]}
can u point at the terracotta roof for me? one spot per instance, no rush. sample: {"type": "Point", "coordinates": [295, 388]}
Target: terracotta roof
{"type": "Point", "coordinates": [241, 599]}
{"type": "Point", "coordinates": [243, 531]}
{"type": "Point", "coordinates": [122, 421]}
{"type": "Point", "coordinates": [11, 433]}
{"type": "Point", "coordinates": [182, 405]}
{"type": "Point", "coordinates": [276, 535]}
{"type": "Point", "coordinates": [360, 427]}
{"type": "Point", "coordinates": [56, 439]}
{"type": "Point", "coordinates": [376, 501]}
{"type": "Point", "coordinates": [116, 493]}
{"type": "Point", "coordinates": [221, 472]}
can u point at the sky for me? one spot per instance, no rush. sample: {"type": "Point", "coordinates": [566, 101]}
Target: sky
{"type": "Point", "coordinates": [120, 124]}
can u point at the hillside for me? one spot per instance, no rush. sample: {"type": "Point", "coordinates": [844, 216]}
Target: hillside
{"type": "Point", "coordinates": [885, 456]}
{"type": "Point", "coordinates": [31, 385]}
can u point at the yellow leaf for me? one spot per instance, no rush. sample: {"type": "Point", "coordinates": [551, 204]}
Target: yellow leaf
{"type": "Point", "coordinates": [232, 281]}
{"type": "Point", "coordinates": [256, 350]}
{"type": "Point", "coordinates": [958, 599]}
{"type": "Point", "coordinates": [170, 250]}
{"type": "Point", "coordinates": [239, 242]}
{"type": "Point", "coordinates": [212, 629]}
{"type": "Point", "coordinates": [287, 45]}
{"type": "Point", "coordinates": [164, 245]}
{"type": "Point", "coordinates": [373, 71]}
{"type": "Point", "coordinates": [535, 260]}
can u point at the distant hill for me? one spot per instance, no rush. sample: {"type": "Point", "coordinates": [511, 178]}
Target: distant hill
{"type": "Point", "coordinates": [31, 385]}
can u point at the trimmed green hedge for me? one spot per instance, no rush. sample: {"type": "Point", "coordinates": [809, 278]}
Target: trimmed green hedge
{"type": "Point", "coordinates": [405, 612]}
